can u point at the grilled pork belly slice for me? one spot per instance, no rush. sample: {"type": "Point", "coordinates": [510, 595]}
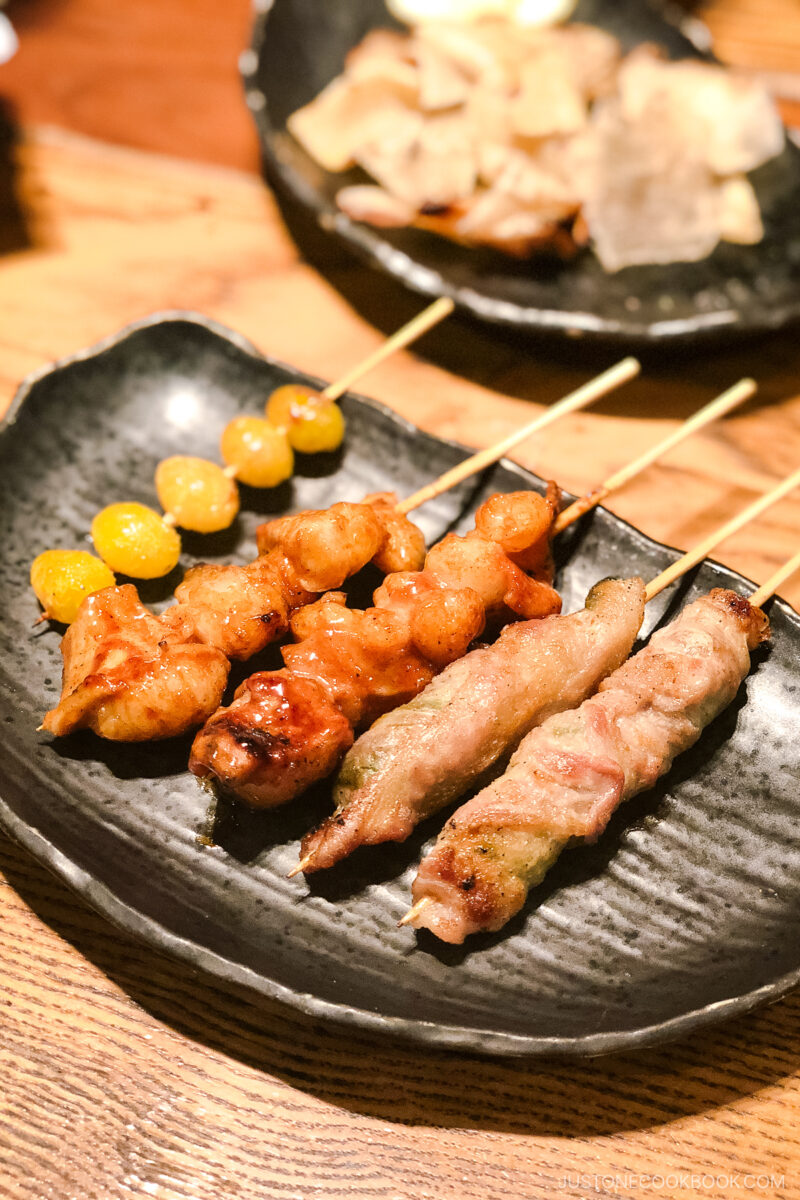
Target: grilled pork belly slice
{"type": "Point", "coordinates": [418, 758]}
{"type": "Point", "coordinates": [570, 774]}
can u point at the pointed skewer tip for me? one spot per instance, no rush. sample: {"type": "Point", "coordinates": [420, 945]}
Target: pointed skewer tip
{"type": "Point", "coordinates": [300, 867]}
{"type": "Point", "coordinates": [414, 912]}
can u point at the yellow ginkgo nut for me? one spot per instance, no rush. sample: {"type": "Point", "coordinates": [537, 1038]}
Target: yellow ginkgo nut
{"type": "Point", "coordinates": [321, 429]}
{"type": "Point", "coordinates": [62, 579]}
{"type": "Point", "coordinates": [288, 404]}
{"type": "Point", "coordinates": [258, 450]}
{"type": "Point", "coordinates": [135, 540]}
{"type": "Point", "coordinates": [197, 493]}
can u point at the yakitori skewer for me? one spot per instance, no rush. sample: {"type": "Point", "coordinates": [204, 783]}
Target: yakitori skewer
{"type": "Point", "coordinates": [286, 729]}
{"type": "Point", "coordinates": [174, 669]}
{"type": "Point", "coordinates": [571, 772]}
{"type": "Point", "coordinates": [414, 759]}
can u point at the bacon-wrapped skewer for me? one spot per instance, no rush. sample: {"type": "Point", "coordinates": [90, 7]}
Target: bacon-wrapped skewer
{"type": "Point", "coordinates": [285, 729]}
{"type": "Point", "coordinates": [571, 773]}
{"type": "Point", "coordinates": [426, 753]}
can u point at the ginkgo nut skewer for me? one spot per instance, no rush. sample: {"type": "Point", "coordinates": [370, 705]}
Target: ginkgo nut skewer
{"type": "Point", "coordinates": [310, 420]}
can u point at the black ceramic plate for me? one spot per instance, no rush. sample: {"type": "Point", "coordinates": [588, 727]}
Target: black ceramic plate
{"type": "Point", "coordinates": [686, 911]}
{"type": "Point", "coordinates": [299, 46]}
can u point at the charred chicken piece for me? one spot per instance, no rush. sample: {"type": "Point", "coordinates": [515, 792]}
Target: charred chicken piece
{"type": "Point", "coordinates": [128, 677]}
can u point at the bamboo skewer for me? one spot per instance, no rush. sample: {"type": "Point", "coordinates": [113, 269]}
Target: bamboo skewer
{"type": "Point", "coordinates": [414, 912]}
{"type": "Point", "coordinates": [582, 397]}
{"type": "Point", "coordinates": [723, 404]}
{"type": "Point", "coordinates": [415, 328]}
{"type": "Point", "coordinates": [685, 563]}
{"type": "Point", "coordinates": [704, 547]}
{"type": "Point", "coordinates": [768, 589]}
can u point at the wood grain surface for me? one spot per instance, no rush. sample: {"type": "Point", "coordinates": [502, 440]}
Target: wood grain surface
{"type": "Point", "coordinates": [127, 1075]}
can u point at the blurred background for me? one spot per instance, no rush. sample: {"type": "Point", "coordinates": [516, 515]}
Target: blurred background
{"type": "Point", "coordinates": [163, 74]}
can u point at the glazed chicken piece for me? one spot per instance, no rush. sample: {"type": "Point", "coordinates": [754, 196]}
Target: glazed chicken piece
{"type": "Point", "coordinates": [222, 613]}
{"type": "Point", "coordinates": [510, 522]}
{"type": "Point", "coordinates": [128, 677]}
{"type": "Point", "coordinates": [348, 667]}
{"type": "Point", "coordinates": [569, 775]}
{"type": "Point", "coordinates": [404, 548]}
{"type": "Point", "coordinates": [316, 547]}
{"type": "Point", "coordinates": [238, 610]}
{"type": "Point", "coordinates": [416, 759]}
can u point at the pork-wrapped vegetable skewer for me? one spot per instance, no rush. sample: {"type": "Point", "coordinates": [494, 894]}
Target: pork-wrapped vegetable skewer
{"type": "Point", "coordinates": [415, 760]}
{"type": "Point", "coordinates": [569, 774]}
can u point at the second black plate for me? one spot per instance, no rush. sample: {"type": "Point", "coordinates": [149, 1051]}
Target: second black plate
{"type": "Point", "coordinates": [298, 46]}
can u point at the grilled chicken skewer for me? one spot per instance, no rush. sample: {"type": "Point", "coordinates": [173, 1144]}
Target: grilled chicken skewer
{"type": "Point", "coordinates": [132, 676]}
{"type": "Point", "coordinates": [424, 754]}
{"type": "Point", "coordinates": [572, 771]}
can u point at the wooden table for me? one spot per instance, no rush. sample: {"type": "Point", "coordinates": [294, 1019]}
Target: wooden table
{"type": "Point", "coordinates": [124, 1074]}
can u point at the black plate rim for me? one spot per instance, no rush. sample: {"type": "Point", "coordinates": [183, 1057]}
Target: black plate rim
{"type": "Point", "coordinates": [426, 281]}
{"type": "Point", "coordinates": [462, 1038]}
